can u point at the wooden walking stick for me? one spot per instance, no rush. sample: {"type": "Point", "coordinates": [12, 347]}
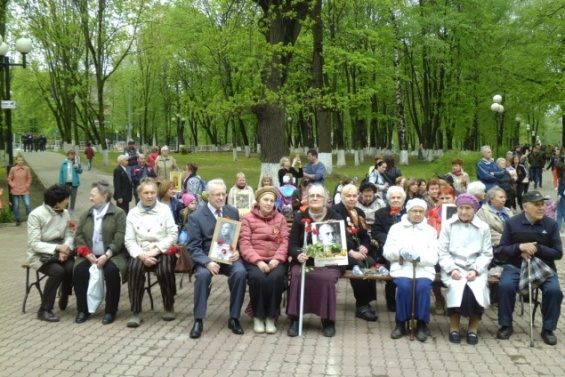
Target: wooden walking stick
{"type": "Point", "coordinates": [414, 263]}
{"type": "Point", "coordinates": [530, 304]}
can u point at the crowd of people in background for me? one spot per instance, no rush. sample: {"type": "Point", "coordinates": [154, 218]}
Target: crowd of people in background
{"type": "Point", "coordinates": [410, 227]}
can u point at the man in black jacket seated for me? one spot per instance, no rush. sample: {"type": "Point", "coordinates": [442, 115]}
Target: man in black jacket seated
{"type": "Point", "coordinates": [527, 235]}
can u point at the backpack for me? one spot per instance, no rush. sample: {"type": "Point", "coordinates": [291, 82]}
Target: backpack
{"type": "Point", "coordinates": [285, 201]}
{"type": "Point", "coordinates": [202, 184]}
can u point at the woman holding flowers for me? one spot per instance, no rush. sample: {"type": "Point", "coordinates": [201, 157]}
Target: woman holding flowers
{"type": "Point", "coordinates": [385, 218]}
{"type": "Point", "coordinates": [50, 241]}
{"type": "Point", "coordinates": [100, 241]}
{"type": "Point", "coordinates": [364, 291]}
{"type": "Point", "coordinates": [320, 283]}
{"type": "Point", "coordinates": [263, 243]}
{"type": "Point", "coordinates": [151, 234]}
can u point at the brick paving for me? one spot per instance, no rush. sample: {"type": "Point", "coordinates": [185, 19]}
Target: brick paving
{"type": "Point", "coordinates": [29, 347]}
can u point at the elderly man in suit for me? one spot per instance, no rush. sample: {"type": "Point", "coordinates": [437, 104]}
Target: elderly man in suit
{"type": "Point", "coordinates": [200, 227]}
{"type": "Point", "coordinates": [123, 187]}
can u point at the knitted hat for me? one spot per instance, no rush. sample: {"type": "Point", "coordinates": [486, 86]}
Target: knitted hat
{"type": "Point", "coordinates": [187, 199]}
{"type": "Point", "coordinates": [468, 199]}
{"type": "Point", "coordinates": [264, 190]}
{"type": "Point", "coordinates": [416, 203]}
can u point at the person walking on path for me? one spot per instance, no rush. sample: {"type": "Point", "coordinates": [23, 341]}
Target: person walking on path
{"type": "Point", "coordinates": [19, 180]}
{"type": "Point", "coordinates": [69, 175]}
{"type": "Point", "coordinates": [89, 152]}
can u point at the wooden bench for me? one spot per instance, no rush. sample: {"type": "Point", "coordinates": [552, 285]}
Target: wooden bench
{"type": "Point", "coordinates": [30, 285]}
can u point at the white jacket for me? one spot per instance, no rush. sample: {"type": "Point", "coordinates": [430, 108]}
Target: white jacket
{"type": "Point", "coordinates": [421, 238]}
{"type": "Point", "coordinates": [465, 247]}
{"type": "Point", "coordinates": [145, 229]}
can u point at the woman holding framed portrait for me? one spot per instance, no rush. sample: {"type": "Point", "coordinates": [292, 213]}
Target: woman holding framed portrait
{"type": "Point", "coordinates": [263, 244]}
{"type": "Point", "coordinates": [320, 283]}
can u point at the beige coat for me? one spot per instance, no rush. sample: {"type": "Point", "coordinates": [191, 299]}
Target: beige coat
{"type": "Point", "coordinates": [494, 222]}
{"type": "Point", "coordinates": [45, 230]}
{"type": "Point", "coordinates": [465, 247]}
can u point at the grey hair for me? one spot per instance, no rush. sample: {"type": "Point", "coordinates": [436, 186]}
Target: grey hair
{"type": "Point", "coordinates": [476, 188]}
{"type": "Point", "coordinates": [122, 157]}
{"type": "Point", "coordinates": [215, 183]}
{"type": "Point", "coordinates": [395, 190]}
{"type": "Point", "coordinates": [317, 186]}
{"type": "Point", "coordinates": [104, 188]}
{"type": "Point", "coordinates": [349, 187]}
{"type": "Point", "coordinates": [484, 148]}
{"type": "Point", "coordinates": [491, 193]}
{"type": "Point", "coordinates": [500, 159]}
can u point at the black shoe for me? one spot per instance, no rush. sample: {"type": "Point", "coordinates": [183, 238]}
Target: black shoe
{"type": "Point", "coordinates": [399, 331]}
{"type": "Point", "coordinates": [455, 337]}
{"type": "Point", "coordinates": [472, 338]}
{"type": "Point", "coordinates": [293, 328]}
{"type": "Point", "coordinates": [108, 318]}
{"type": "Point", "coordinates": [47, 316]}
{"type": "Point", "coordinates": [328, 328]}
{"type": "Point", "coordinates": [63, 301]}
{"type": "Point", "coordinates": [421, 334]}
{"type": "Point", "coordinates": [504, 332]}
{"type": "Point", "coordinates": [235, 327]}
{"type": "Point", "coordinates": [548, 337]}
{"type": "Point", "coordinates": [196, 329]}
{"type": "Point", "coordinates": [391, 306]}
{"type": "Point", "coordinates": [18, 223]}
{"type": "Point", "coordinates": [82, 317]}
{"type": "Point", "coordinates": [365, 312]}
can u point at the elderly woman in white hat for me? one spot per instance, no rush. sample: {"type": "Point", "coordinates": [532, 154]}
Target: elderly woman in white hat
{"type": "Point", "coordinates": [411, 247]}
{"type": "Point", "coordinates": [465, 253]}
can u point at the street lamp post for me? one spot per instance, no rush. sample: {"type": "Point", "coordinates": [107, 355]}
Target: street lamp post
{"type": "Point", "coordinates": [497, 109]}
{"type": "Point", "coordinates": [23, 45]}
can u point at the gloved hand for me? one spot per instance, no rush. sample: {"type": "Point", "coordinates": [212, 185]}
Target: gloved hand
{"type": "Point", "coordinates": [414, 255]}
{"type": "Point", "coordinates": [406, 254]}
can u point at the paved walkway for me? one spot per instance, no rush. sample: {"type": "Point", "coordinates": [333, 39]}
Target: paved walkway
{"type": "Point", "coordinates": [29, 347]}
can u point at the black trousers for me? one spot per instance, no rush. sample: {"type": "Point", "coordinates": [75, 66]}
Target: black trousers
{"type": "Point", "coordinates": [112, 278]}
{"type": "Point", "coordinates": [58, 273]}
{"type": "Point", "coordinates": [265, 290]}
{"type": "Point", "coordinates": [165, 271]}
{"type": "Point", "coordinates": [364, 291]}
{"type": "Point", "coordinates": [124, 206]}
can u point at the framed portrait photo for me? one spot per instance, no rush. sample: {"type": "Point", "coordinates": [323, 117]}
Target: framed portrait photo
{"type": "Point", "coordinates": [242, 201]}
{"type": "Point", "coordinates": [176, 178]}
{"type": "Point", "coordinates": [447, 212]}
{"type": "Point", "coordinates": [224, 241]}
{"type": "Point", "coordinates": [331, 235]}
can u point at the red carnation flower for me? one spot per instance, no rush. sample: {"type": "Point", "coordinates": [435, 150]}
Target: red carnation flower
{"type": "Point", "coordinates": [172, 250]}
{"type": "Point", "coordinates": [84, 251]}
{"type": "Point", "coordinates": [72, 225]}
{"type": "Point", "coordinates": [220, 242]}
{"type": "Point", "coordinates": [394, 211]}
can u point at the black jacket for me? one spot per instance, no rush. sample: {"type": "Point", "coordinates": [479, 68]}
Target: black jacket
{"type": "Point", "coordinates": [123, 188]}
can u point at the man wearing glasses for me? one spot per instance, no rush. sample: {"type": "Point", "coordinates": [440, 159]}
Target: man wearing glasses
{"type": "Point", "coordinates": [529, 235]}
{"type": "Point", "coordinates": [200, 227]}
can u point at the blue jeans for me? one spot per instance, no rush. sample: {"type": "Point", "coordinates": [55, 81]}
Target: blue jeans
{"type": "Point", "coordinates": [16, 205]}
{"type": "Point", "coordinates": [508, 288]}
{"type": "Point", "coordinates": [89, 163]}
{"type": "Point", "coordinates": [560, 212]}
{"type": "Point", "coordinates": [535, 176]}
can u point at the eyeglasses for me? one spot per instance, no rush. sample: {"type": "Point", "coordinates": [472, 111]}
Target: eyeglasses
{"type": "Point", "coordinates": [222, 195]}
{"type": "Point", "coordinates": [314, 196]}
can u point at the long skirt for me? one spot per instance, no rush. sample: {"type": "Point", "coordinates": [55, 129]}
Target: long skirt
{"type": "Point", "coordinates": [404, 299]}
{"type": "Point", "coordinates": [469, 305]}
{"type": "Point", "coordinates": [319, 292]}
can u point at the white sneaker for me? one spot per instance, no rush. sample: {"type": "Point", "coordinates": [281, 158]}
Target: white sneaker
{"type": "Point", "coordinates": [270, 327]}
{"type": "Point", "coordinates": [259, 325]}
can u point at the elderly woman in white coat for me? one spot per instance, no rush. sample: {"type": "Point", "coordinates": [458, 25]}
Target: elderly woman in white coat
{"type": "Point", "coordinates": [412, 241]}
{"type": "Point", "coordinates": [465, 252]}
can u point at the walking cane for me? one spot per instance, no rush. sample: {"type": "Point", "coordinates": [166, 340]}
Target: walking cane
{"type": "Point", "coordinates": [414, 263]}
{"type": "Point", "coordinates": [530, 302]}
